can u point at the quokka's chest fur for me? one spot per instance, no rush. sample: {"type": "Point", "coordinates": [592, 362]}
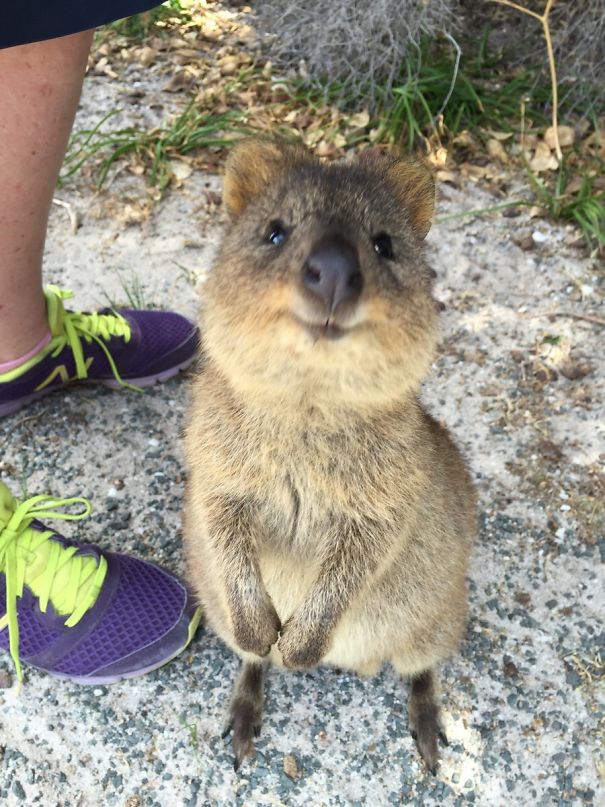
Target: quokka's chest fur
{"type": "Point", "coordinates": [302, 475]}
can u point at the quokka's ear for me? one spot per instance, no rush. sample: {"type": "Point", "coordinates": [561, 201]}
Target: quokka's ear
{"type": "Point", "coordinates": [411, 179]}
{"type": "Point", "coordinates": [252, 165]}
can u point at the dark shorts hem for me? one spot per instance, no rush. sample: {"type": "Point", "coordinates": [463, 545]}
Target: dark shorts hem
{"type": "Point", "coordinates": [26, 21]}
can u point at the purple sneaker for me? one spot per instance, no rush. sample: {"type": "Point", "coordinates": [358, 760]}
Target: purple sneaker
{"type": "Point", "coordinates": [77, 612]}
{"type": "Point", "coordinates": [126, 348]}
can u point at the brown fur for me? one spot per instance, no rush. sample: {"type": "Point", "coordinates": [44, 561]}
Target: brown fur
{"type": "Point", "coordinates": [329, 517]}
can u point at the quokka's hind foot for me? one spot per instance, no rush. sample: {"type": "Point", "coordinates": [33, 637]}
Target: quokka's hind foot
{"type": "Point", "coordinates": [245, 711]}
{"type": "Point", "coordinates": [424, 719]}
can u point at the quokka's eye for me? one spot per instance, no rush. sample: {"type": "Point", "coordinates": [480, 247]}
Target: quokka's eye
{"type": "Point", "coordinates": [276, 233]}
{"type": "Point", "coordinates": [383, 246]}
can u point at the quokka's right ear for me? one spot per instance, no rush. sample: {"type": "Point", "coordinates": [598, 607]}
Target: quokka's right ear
{"type": "Point", "coordinates": [411, 179]}
{"type": "Point", "coordinates": [253, 164]}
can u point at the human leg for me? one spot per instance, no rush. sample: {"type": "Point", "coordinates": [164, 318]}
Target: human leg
{"type": "Point", "coordinates": [39, 93]}
{"type": "Point", "coordinates": [42, 346]}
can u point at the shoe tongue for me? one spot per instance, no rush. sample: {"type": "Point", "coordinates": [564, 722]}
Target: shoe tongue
{"type": "Point", "coordinates": [37, 564]}
{"type": "Point", "coordinates": [55, 311]}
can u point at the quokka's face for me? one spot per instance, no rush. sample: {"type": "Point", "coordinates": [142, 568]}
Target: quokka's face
{"type": "Point", "coordinates": [320, 287]}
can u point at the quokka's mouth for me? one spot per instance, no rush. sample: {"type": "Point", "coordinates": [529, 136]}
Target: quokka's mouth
{"type": "Point", "coordinates": [328, 330]}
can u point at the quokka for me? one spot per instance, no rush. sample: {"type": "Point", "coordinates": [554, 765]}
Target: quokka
{"type": "Point", "coordinates": [329, 518]}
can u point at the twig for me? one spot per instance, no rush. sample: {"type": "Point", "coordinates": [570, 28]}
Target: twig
{"type": "Point", "coordinates": [73, 216]}
{"type": "Point", "coordinates": [455, 76]}
{"type": "Point", "coordinates": [543, 18]}
{"type": "Point", "coordinates": [519, 8]}
{"type": "Point", "coordinates": [24, 420]}
{"type": "Point", "coordinates": [571, 315]}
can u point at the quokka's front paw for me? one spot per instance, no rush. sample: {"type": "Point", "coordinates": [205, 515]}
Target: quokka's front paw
{"type": "Point", "coordinates": [256, 627]}
{"type": "Point", "coordinates": [301, 645]}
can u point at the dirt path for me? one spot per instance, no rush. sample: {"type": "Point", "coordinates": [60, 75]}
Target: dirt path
{"type": "Point", "coordinates": [521, 390]}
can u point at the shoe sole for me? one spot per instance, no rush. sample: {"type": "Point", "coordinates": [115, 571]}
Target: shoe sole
{"type": "Point", "coordinates": [100, 680]}
{"type": "Point", "coordinates": [147, 381]}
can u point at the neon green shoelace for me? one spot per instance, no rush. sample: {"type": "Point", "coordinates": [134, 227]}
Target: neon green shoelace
{"type": "Point", "coordinates": [76, 326]}
{"type": "Point", "coordinates": [53, 572]}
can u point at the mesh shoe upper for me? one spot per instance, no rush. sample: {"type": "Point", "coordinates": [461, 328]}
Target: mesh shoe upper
{"type": "Point", "coordinates": [140, 616]}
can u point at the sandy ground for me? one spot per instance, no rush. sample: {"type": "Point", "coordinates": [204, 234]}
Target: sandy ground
{"type": "Point", "coordinates": [523, 702]}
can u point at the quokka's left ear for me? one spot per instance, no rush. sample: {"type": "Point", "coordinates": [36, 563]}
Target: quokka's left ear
{"type": "Point", "coordinates": [411, 180]}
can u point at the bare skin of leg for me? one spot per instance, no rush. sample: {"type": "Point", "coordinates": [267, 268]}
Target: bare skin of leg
{"type": "Point", "coordinates": [39, 94]}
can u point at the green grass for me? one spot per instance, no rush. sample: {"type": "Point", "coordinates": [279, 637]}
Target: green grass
{"type": "Point", "coordinates": [140, 26]}
{"type": "Point", "coordinates": [477, 99]}
{"type": "Point", "coordinates": [134, 293]}
{"type": "Point", "coordinates": [585, 208]}
{"type": "Point", "coordinates": [189, 131]}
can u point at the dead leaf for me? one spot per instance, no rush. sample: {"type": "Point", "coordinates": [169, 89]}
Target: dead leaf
{"type": "Point", "coordinates": [180, 169]}
{"type": "Point", "coordinates": [131, 214]}
{"type": "Point", "coordinates": [527, 243]}
{"type": "Point", "coordinates": [576, 370]}
{"type": "Point", "coordinates": [567, 136]}
{"type": "Point", "coordinates": [465, 139]}
{"type": "Point", "coordinates": [549, 451]}
{"type": "Point", "coordinates": [499, 135]}
{"type": "Point", "coordinates": [543, 159]}
{"type": "Point", "coordinates": [573, 186]}
{"type": "Point", "coordinates": [325, 149]}
{"type": "Point", "coordinates": [176, 43]}
{"type": "Point", "coordinates": [448, 176]}
{"type": "Point", "coordinates": [544, 373]}
{"type": "Point", "coordinates": [103, 68]}
{"type": "Point", "coordinates": [529, 140]}
{"type": "Point", "coordinates": [360, 120]}
{"type": "Point", "coordinates": [179, 82]}
{"type": "Point", "coordinates": [229, 65]}
{"type": "Point", "coordinates": [312, 137]}
{"type": "Point", "coordinates": [496, 150]}
{"type": "Point", "coordinates": [438, 157]}
{"type": "Point", "coordinates": [291, 768]}
{"type": "Point", "coordinates": [475, 171]}
{"type": "Point", "coordinates": [146, 56]}
{"type": "Point", "coordinates": [554, 350]}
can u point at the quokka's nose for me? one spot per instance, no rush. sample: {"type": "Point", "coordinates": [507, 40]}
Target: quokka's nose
{"type": "Point", "coordinates": [332, 272]}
